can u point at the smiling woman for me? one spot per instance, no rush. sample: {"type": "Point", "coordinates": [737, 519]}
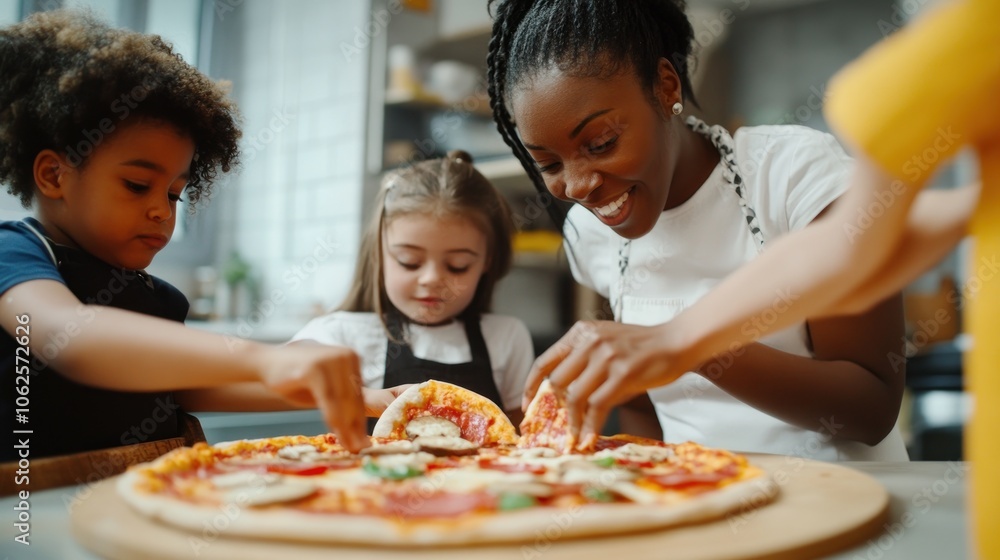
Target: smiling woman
{"type": "Point", "coordinates": [591, 95]}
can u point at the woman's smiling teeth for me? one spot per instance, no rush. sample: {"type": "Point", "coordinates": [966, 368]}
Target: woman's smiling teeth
{"type": "Point", "coordinates": [614, 207]}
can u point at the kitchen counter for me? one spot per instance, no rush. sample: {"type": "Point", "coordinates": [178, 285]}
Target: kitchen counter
{"type": "Point", "coordinates": [253, 328]}
{"type": "Point", "coordinates": [927, 517]}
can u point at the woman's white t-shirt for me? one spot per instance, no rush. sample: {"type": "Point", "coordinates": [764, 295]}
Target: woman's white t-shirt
{"type": "Point", "coordinates": [791, 174]}
{"type": "Point", "coordinates": [507, 341]}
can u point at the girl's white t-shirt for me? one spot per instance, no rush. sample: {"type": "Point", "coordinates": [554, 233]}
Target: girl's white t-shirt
{"type": "Point", "coordinates": [507, 341]}
{"type": "Point", "coordinates": [791, 174]}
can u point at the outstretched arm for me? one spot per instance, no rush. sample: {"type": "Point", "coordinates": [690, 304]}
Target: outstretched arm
{"type": "Point", "coordinates": [804, 274]}
{"type": "Point", "coordinates": [850, 390]}
{"type": "Point", "coordinates": [811, 272]}
{"type": "Point", "coordinates": [120, 350]}
{"type": "Point", "coordinates": [938, 221]}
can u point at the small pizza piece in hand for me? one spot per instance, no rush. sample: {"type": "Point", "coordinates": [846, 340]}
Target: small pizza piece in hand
{"type": "Point", "coordinates": [478, 419]}
{"type": "Point", "coordinates": [546, 422]}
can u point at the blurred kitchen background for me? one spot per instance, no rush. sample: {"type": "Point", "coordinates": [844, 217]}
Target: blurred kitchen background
{"type": "Point", "coordinates": [335, 92]}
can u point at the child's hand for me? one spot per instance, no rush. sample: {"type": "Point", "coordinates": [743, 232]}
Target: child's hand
{"type": "Point", "coordinates": [327, 377]}
{"type": "Point", "coordinates": [376, 400]}
{"type": "Point", "coordinates": [603, 364]}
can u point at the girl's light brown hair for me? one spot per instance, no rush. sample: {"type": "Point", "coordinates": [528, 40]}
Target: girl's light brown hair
{"type": "Point", "coordinates": [445, 188]}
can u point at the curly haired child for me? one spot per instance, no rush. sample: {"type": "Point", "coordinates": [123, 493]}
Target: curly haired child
{"type": "Point", "coordinates": [102, 131]}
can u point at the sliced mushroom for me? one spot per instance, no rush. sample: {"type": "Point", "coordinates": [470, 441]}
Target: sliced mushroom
{"type": "Point", "coordinates": [272, 493]}
{"type": "Point", "coordinates": [402, 460]}
{"type": "Point", "coordinates": [634, 493]}
{"type": "Point", "coordinates": [586, 472]}
{"type": "Point", "coordinates": [392, 448]}
{"type": "Point", "coordinates": [243, 478]}
{"type": "Point", "coordinates": [444, 446]}
{"type": "Point", "coordinates": [537, 452]}
{"type": "Point", "coordinates": [295, 452]}
{"type": "Point", "coordinates": [432, 426]}
{"type": "Point", "coordinates": [639, 453]}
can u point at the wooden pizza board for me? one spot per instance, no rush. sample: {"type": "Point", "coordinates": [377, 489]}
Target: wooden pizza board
{"type": "Point", "coordinates": [821, 508]}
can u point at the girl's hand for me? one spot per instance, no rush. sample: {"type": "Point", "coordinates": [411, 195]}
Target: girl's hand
{"type": "Point", "coordinates": [602, 364]}
{"type": "Point", "coordinates": [376, 400]}
{"type": "Point", "coordinates": [327, 377]}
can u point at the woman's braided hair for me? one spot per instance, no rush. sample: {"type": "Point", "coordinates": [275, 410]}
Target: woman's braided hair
{"type": "Point", "coordinates": [585, 38]}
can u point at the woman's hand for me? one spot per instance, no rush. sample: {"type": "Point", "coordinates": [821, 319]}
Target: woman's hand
{"type": "Point", "coordinates": [327, 377]}
{"type": "Point", "coordinates": [602, 364]}
{"type": "Point", "coordinates": [376, 400]}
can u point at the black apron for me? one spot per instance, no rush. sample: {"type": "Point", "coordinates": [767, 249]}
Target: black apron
{"type": "Point", "coordinates": [402, 367]}
{"type": "Point", "coordinates": [67, 417]}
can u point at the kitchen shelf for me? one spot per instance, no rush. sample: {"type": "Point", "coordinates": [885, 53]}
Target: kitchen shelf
{"type": "Point", "coordinates": [544, 261]}
{"type": "Point", "coordinates": [506, 174]}
{"type": "Point", "coordinates": [470, 47]}
{"type": "Point", "coordinates": [429, 102]}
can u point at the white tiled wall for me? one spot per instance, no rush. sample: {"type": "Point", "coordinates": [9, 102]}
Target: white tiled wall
{"type": "Point", "coordinates": [294, 211]}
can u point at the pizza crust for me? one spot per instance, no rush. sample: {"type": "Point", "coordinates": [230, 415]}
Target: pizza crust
{"type": "Point", "coordinates": [505, 527]}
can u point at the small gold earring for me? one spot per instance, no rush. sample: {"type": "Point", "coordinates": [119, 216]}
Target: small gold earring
{"type": "Point", "coordinates": [677, 108]}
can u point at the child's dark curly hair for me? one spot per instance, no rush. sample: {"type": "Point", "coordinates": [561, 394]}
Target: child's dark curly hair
{"type": "Point", "coordinates": [69, 80]}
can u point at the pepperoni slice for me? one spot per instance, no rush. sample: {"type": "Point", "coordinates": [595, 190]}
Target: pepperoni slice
{"type": "Point", "coordinates": [440, 504]}
{"type": "Point", "coordinates": [298, 470]}
{"type": "Point", "coordinates": [311, 469]}
{"type": "Point", "coordinates": [684, 479]}
{"type": "Point", "coordinates": [473, 425]}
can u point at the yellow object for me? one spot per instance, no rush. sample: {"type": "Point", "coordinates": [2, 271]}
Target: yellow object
{"type": "Point", "coordinates": [418, 5]}
{"type": "Point", "coordinates": [909, 104]}
{"type": "Point", "coordinates": [541, 241]}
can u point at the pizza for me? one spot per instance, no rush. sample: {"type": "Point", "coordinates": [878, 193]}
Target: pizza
{"type": "Point", "coordinates": [546, 422]}
{"type": "Point", "coordinates": [442, 476]}
{"type": "Point", "coordinates": [429, 408]}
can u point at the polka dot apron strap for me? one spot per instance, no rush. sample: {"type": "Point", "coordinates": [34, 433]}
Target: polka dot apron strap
{"type": "Point", "coordinates": [723, 142]}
